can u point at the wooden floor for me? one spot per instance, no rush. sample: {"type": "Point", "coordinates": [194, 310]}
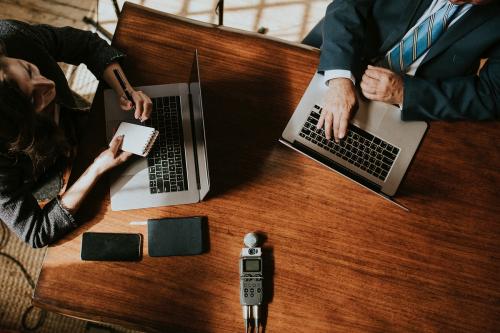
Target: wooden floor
{"type": "Point", "coordinates": [55, 12]}
{"type": "Point", "coordinates": [287, 19]}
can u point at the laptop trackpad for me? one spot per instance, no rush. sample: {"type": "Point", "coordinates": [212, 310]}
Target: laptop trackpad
{"type": "Point", "coordinates": [369, 117]}
{"type": "Point", "coordinates": [136, 166]}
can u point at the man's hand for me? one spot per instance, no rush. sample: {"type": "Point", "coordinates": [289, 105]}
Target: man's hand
{"type": "Point", "coordinates": [340, 102]}
{"type": "Point", "coordinates": [381, 84]}
{"type": "Point", "coordinates": [143, 105]}
{"type": "Point", "coordinates": [111, 157]}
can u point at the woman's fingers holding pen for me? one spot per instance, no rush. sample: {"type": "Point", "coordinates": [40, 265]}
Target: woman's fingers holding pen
{"type": "Point", "coordinates": [125, 104]}
{"type": "Point", "coordinates": [148, 107]}
{"type": "Point", "coordinates": [143, 105]}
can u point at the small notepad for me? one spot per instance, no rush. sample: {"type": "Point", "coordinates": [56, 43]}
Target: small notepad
{"type": "Point", "coordinates": [137, 139]}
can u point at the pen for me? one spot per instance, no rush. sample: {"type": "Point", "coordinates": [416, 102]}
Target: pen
{"type": "Point", "coordinates": [124, 87]}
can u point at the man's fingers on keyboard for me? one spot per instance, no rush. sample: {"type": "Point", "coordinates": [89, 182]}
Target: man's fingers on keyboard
{"type": "Point", "coordinates": [328, 125]}
{"type": "Point", "coordinates": [344, 122]}
{"type": "Point", "coordinates": [336, 124]}
{"type": "Point", "coordinates": [321, 120]}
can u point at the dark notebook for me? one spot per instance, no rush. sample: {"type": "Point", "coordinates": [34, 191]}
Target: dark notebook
{"type": "Point", "coordinates": [175, 236]}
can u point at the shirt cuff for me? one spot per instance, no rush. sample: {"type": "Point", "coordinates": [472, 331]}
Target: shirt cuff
{"type": "Point", "coordinates": [338, 73]}
{"type": "Point", "coordinates": [63, 211]}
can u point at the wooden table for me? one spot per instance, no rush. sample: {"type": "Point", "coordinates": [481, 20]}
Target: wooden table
{"type": "Point", "coordinates": [338, 258]}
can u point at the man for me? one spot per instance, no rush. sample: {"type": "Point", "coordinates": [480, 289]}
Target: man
{"type": "Point", "coordinates": [422, 55]}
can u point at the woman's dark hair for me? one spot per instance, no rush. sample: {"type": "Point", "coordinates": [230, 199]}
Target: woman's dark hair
{"type": "Point", "coordinates": [25, 132]}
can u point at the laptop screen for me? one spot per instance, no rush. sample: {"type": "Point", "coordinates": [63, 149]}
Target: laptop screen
{"type": "Point", "coordinates": [199, 125]}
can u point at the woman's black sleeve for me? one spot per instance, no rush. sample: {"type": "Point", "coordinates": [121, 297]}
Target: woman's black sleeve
{"type": "Point", "coordinates": [76, 46]}
{"type": "Point", "coordinates": [20, 211]}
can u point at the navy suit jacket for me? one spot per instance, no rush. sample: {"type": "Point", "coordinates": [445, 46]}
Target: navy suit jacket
{"type": "Point", "coordinates": [447, 84]}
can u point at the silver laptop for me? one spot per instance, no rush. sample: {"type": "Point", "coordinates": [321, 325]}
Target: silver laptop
{"type": "Point", "coordinates": [377, 150]}
{"type": "Point", "coordinates": [176, 169]}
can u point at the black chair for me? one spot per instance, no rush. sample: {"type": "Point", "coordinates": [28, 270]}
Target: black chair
{"type": "Point", "coordinates": [219, 9]}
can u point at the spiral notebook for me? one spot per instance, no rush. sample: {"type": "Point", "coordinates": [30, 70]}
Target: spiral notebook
{"type": "Point", "coordinates": [137, 139]}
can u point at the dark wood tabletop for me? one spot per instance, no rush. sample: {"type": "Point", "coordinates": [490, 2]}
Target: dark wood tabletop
{"type": "Point", "coordinates": [337, 257]}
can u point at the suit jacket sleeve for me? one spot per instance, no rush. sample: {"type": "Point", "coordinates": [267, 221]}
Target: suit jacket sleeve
{"type": "Point", "coordinates": [343, 34]}
{"type": "Point", "coordinates": [474, 97]}
{"type": "Point", "coordinates": [76, 46]}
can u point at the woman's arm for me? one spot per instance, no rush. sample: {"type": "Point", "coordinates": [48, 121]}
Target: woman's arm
{"type": "Point", "coordinates": [76, 46]}
{"type": "Point", "coordinates": [37, 226]}
{"type": "Point", "coordinates": [143, 104]}
{"type": "Point", "coordinates": [73, 46]}
{"type": "Point", "coordinates": [107, 160]}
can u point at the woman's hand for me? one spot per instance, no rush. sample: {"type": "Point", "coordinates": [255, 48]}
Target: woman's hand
{"type": "Point", "coordinates": [111, 157]}
{"type": "Point", "coordinates": [140, 104]}
{"type": "Point", "coordinates": [108, 159]}
{"type": "Point", "coordinates": [143, 105]}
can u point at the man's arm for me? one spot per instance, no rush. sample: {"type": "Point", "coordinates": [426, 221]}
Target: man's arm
{"type": "Point", "coordinates": [343, 33]}
{"type": "Point", "coordinates": [475, 97]}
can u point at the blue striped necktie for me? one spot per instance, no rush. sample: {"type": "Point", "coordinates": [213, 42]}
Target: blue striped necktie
{"type": "Point", "coordinates": [420, 39]}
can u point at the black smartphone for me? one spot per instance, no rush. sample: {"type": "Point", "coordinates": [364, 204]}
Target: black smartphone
{"type": "Point", "coordinates": [104, 246]}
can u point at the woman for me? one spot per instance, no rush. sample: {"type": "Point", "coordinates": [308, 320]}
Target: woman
{"type": "Point", "coordinates": [39, 125]}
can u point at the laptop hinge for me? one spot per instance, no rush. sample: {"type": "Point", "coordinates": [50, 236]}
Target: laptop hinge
{"type": "Point", "coordinates": [336, 166]}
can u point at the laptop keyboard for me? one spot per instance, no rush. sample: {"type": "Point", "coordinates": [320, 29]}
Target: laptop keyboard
{"type": "Point", "coordinates": [166, 160]}
{"type": "Point", "coordinates": [360, 148]}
